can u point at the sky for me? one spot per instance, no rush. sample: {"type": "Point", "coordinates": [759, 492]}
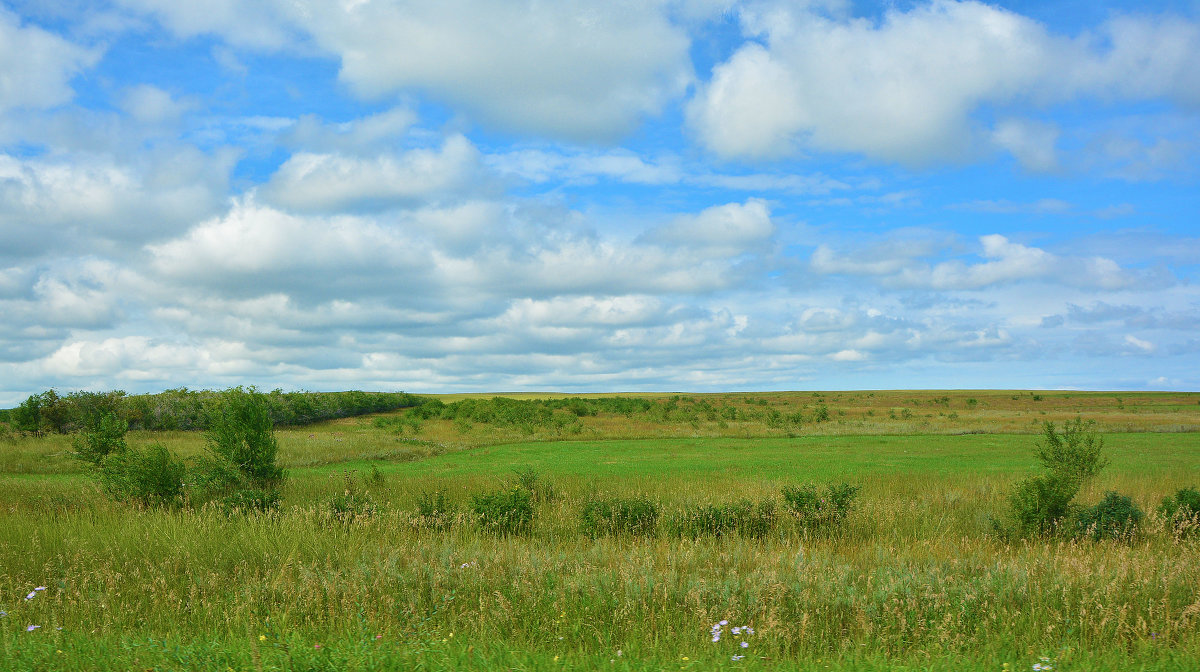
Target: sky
{"type": "Point", "coordinates": [598, 195]}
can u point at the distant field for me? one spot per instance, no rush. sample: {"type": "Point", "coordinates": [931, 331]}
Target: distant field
{"type": "Point", "coordinates": [914, 579]}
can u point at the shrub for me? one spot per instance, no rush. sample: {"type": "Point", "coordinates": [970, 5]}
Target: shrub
{"type": "Point", "coordinates": [637, 516]}
{"type": "Point", "coordinates": [149, 476]}
{"type": "Point", "coordinates": [1115, 517]}
{"type": "Point", "coordinates": [744, 518]}
{"type": "Point", "coordinates": [1075, 453]}
{"type": "Point", "coordinates": [434, 511]}
{"type": "Point", "coordinates": [1040, 504]}
{"type": "Point", "coordinates": [242, 433]}
{"type": "Point", "coordinates": [1182, 510]}
{"type": "Point", "coordinates": [105, 438]}
{"type": "Point", "coordinates": [508, 511]}
{"type": "Point", "coordinates": [815, 510]}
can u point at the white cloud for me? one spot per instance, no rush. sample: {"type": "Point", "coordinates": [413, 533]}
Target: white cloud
{"type": "Point", "coordinates": [900, 90]}
{"type": "Point", "coordinates": [37, 65]}
{"type": "Point", "coordinates": [576, 69]}
{"type": "Point", "coordinates": [1003, 262]}
{"type": "Point", "coordinates": [906, 88]}
{"type": "Point", "coordinates": [1031, 143]}
{"type": "Point", "coordinates": [90, 203]}
{"type": "Point", "coordinates": [731, 229]}
{"type": "Point", "coordinates": [151, 105]}
{"type": "Point", "coordinates": [332, 182]}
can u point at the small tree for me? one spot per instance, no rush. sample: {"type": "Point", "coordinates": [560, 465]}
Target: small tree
{"type": "Point", "coordinates": [106, 438]}
{"type": "Point", "coordinates": [242, 433]}
{"type": "Point", "coordinates": [1041, 503]}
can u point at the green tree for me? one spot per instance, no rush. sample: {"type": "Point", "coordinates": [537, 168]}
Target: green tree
{"type": "Point", "coordinates": [241, 432]}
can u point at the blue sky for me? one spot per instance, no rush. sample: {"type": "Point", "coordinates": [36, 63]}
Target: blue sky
{"type": "Point", "coordinates": [598, 196]}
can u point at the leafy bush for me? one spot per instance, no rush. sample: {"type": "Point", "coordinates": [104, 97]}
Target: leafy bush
{"type": "Point", "coordinates": [636, 516]}
{"type": "Point", "coordinates": [1075, 453]}
{"type": "Point", "coordinates": [107, 437]}
{"type": "Point", "coordinates": [149, 476]}
{"type": "Point", "coordinates": [243, 434]}
{"type": "Point", "coordinates": [1040, 504]}
{"type": "Point", "coordinates": [744, 518]}
{"type": "Point", "coordinates": [1115, 517]}
{"type": "Point", "coordinates": [508, 511]}
{"type": "Point", "coordinates": [1182, 510]}
{"type": "Point", "coordinates": [815, 510]}
{"type": "Point", "coordinates": [434, 511]}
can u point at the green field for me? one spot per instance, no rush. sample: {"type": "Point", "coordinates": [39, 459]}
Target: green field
{"type": "Point", "coordinates": [915, 578]}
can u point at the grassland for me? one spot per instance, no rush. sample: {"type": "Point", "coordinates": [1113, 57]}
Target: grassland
{"type": "Point", "coordinates": [914, 579]}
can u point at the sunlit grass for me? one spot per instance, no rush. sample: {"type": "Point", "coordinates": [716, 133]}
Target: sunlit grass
{"type": "Point", "coordinates": [914, 577]}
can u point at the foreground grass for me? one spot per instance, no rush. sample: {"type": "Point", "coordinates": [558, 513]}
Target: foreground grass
{"type": "Point", "coordinates": [913, 579]}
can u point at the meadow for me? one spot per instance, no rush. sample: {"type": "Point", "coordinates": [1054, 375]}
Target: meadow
{"type": "Point", "coordinates": [348, 575]}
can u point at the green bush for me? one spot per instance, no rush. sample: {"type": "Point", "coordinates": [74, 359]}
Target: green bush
{"type": "Point", "coordinates": [637, 516]}
{"type": "Point", "coordinates": [743, 518]}
{"type": "Point", "coordinates": [1182, 510]}
{"type": "Point", "coordinates": [149, 476]}
{"type": "Point", "coordinates": [242, 433]}
{"type": "Point", "coordinates": [1115, 517]}
{"type": "Point", "coordinates": [814, 509]}
{"type": "Point", "coordinates": [105, 438]}
{"type": "Point", "coordinates": [435, 511]}
{"type": "Point", "coordinates": [1040, 505]}
{"type": "Point", "coordinates": [508, 511]}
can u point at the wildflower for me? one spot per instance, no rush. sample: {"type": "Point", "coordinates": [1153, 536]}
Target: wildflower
{"type": "Point", "coordinates": [262, 638]}
{"type": "Point", "coordinates": [723, 623]}
{"type": "Point", "coordinates": [736, 658]}
{"type": "Point", "coordinates": [619, 653]}
{"type": "Point", "coordinates": [317, 645]}
{"type": "Point", "coordinates": [32, 628]}
{"type": "Point", "coordinates": [378, 636]}
{"type": "Point", "coordinates": [745, 644]}
{"type": "Point", "coordinates": [32, 594]}
{"type": "Point", "coordinates": [3, 614]}
{"type": "Point", "coordinates": [556, 659]}
{"type": "Point", "coordinates": [737, 631]}
{"type": "Point", "coordinates": [39, 589]}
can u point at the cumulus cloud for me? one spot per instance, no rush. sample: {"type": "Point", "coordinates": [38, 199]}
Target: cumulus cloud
{"type": "Point", "coordinates": [332, 182]}
{"type": "Point", "coordinates": [906, 89]}
{"type": "Point", "coordinates": [1003, 261]}
{"type": "Point", "coordinates": [89, 203]}
{"type": "Point", "coordinates": [572, 69]}
{"type": "Point", "coordinates": [38, 65]}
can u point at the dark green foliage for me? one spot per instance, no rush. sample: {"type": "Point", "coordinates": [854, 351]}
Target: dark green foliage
{"type": "Point", "coordinates": [821, 413]}
{"type": "Point", "coordinates": [241, 432]}
{"type": "Point", "coordinates": [636, 516]}
{"type": "Point", "coordinates": [744, 518]}
{"type": "Point", "coordinates": [435, 511]}
{"type": "Point", "coordinates": [1040, 504]}
{"type": "Point", "coordinates": [1115, 517]}
{"type": "Point", "coordinates": [814, 508]}
{"type": "Point", "coordinates": [507, 511]}
{"type": "Point", "coordinates": [1075, 453]}
{"type": "Point", "coordinates": [149, 476]}
{"type": "Point", "coordinates": [1182, 510]}
{"type": "Point", "coordinates": [106, 438]}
